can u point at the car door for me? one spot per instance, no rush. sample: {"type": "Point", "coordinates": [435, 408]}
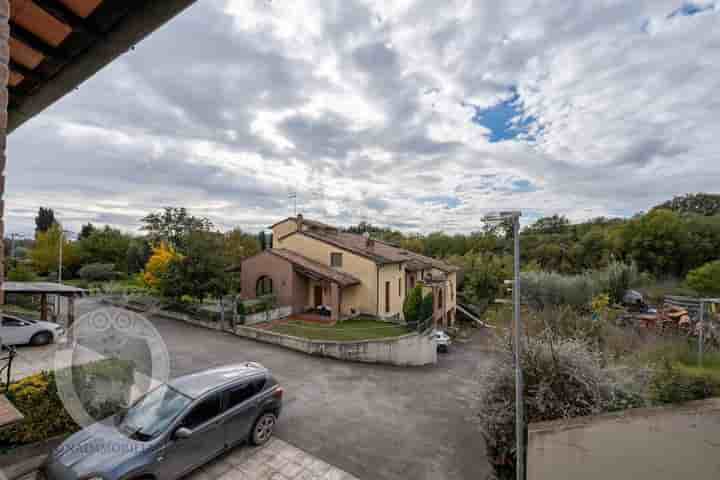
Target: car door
{"type": "Point", "coordinates": [15, 331]}
{"type": "Point", "coordinates": [207, 440]}
{"type": "Point", "coordinates": [242, 409]}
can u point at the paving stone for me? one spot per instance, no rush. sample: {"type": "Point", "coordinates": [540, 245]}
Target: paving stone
{"type": "Point", "coordinates": [319, 468]}
{"type": "Point", "coordinates": [218, 468]}
{"type": "Point", "coordinates": [235, 474]}
{"type": "Point", "coordinates": [291, 469]}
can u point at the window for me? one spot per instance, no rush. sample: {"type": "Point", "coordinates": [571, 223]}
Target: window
{"type": "Point", "coordinates": [452, 291]}
{"type": "Point", "coordinates": [203, 412]}
{"type": "Point", "coordinates": [238, 395]}
{"type": "Point", "coordinates": [387, 297]}
{"type": "Point", "coordinates": [152, 413]}
{"type": "Point", "coordinates": [440, 299]}
{"type": "Point", "coordinates": [264, 286]}
{"type": "Point", "coordinates": [12, 322]}
{"type": "Point", "coordinates": [399, 287]}
{"type": "Point", "coordinates": [336, 259]}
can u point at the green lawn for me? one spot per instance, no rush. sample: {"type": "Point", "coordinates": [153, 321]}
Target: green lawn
{"type": "Point", "coordinates": [361, 328]}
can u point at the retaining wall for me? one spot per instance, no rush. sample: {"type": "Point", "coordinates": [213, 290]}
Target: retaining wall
{"type": "Point", "coordinates": [408, 350]}
{"type": "Point", "coordinates": [268, 316]}
{"type": "Point", "coordinates": [412, 349]}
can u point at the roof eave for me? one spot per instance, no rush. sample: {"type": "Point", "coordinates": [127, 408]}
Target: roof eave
{"type": "Point", "coordinates": [131, 30]}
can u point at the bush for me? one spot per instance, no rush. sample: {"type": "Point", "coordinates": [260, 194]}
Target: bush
{"type": "Point", "coordinates": [563, 378]}
{"type": "Point", "coordinates": [546, 289]}
{"type": "Point", "coordinates": [705, 279]}
{"type": "Point", "coordinates": [677, 384]}
{"type": "Point", "coordinates": [37, 398]}
{"type": "Point", "coordinates": [21, 273]}
{"type": "Point", "coordinates": [98, 272]}
{"type": "Point", "coordinates": [617, 279]}
{"type": "Point", "coordinates": [411, 305]}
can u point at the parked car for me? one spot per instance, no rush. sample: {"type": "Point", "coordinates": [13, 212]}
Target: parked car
{"type": "Point", "coordinates": [21, 331]}
{"type": "Point", "coordinates": [175, 428]}
{"type": "Point", "coordinates": [442, 340]}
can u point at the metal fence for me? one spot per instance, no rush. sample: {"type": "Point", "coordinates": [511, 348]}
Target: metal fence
{"type": "Point", "coordinates": [703, 314]}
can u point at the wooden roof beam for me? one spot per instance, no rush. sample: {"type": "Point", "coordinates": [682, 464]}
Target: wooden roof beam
{"type": "Point", "coordinates": [29, 39]}
{"type": "Point", "coordinates": [68, 17]}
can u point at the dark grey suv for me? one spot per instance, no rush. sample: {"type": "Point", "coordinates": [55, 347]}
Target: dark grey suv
{"type": "Point", "coordinates": [174, 428]}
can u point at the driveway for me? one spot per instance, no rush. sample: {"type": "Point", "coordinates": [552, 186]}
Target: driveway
{"type": "Point", "coordinates": [373, 421]}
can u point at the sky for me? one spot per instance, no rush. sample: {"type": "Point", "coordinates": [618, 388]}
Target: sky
{"type": "Point", "coordinates": [416, 115]}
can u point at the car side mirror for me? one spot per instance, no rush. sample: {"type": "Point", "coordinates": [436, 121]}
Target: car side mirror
{"type": "Point", "coordinates": [182, 433]}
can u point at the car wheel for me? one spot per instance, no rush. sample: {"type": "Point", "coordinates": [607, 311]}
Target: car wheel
{"type": "Point", "coordinates": [41, 338]}
{"type": "Point", "coordinates": [263, 429]}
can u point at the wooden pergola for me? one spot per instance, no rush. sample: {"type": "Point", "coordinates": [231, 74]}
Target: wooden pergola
{"type": "Point", "coordinates": [43, 289]}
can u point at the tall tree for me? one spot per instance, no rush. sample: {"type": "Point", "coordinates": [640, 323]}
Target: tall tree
{"type": "Point", "coordinates": [44, 219]}
{"type": "Point", "coordinates": [239, 245]}
{"type": "Point", "coordinates": [106, 245]}
{"type": "Point", "coordinates": [173, 225]}
{"type": "Point", "coordinates": [46, 251]}
{"type": "Point", "coordinates": [86, 231]}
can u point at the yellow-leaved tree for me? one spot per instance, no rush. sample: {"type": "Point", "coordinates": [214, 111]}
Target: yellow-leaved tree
{"type": "Point", "coordinates": [46, 252]}
{"type": "Point", "coordinates": [158, 264]}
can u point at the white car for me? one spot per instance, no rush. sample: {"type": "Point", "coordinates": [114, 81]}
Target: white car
{"type": "Point", "coordinates": [19, 331]}
{"type": "Point", "coordinates": [442, 340]}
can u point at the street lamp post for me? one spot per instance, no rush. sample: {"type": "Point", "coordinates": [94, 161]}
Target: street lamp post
{"type": "Point", "coordinates": [60, 267]}
{"type": "Point", "coordinates": [514, 216]}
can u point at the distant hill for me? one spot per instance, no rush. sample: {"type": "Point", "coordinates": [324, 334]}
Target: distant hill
{"type": "Point", "coordinates": [698, 203]}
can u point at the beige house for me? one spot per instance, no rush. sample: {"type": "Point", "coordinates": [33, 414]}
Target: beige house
{"type": "Point", "coordinates": [315, 267]}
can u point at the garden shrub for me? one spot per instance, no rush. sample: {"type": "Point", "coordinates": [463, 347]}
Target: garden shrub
{"type": "Point", "coordinates": [411, 305]}
{"type": "Point", "coordinates": [705, 279]}
{"type": "Point", "coordinates": [676, 384]}
{"type": "Point", "coordinates": [37, 398]}
{"type": "Point", "coordinates": [546, 289]}
{"type": "Point", "coordinates": [98, 272]}
{"type": "Point", "coordinates": [563, 378]}
{"type": "Point", "coordinates": [21, 273]}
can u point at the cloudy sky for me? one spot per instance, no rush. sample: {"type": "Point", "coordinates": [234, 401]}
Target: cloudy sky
{"type": "Point", "coordinates": [421, 115]}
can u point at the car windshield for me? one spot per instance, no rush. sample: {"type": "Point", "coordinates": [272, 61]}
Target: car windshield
{"type": "Point", "coordinates": [152, 413]}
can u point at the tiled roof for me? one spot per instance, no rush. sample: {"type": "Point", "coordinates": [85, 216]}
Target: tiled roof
{"type": "Point", "coordinates": [317, 268]}
{"type": "Point", "coordinates": [378, 251]}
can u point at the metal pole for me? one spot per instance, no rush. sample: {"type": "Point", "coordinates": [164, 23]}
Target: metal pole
{"type": "Point", "coordinates": [60, 266]}
{"type": "Point", "coordinates": [701, 340]}
{"type": "Point", "coordinates": [519, 400]}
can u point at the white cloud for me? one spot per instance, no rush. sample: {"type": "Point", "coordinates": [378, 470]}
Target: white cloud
{"type": "Point", "coordinates": [365, 108]}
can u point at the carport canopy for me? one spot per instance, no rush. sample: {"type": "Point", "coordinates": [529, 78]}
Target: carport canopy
{"type": "Point", "coordinates": [44, 289]}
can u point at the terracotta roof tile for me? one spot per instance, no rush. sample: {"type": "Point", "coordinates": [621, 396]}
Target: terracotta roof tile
{"type": "Point", "coordinates": [317, 268]}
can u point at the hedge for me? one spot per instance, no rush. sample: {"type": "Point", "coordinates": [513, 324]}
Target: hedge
{"type": "Point", "coordinates": [37, 398]}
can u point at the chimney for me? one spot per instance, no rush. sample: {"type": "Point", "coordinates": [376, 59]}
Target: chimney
{"type": "Point", "coordinates": [299, 222]}
{"type": "Point", "coordinates": [369, 242]}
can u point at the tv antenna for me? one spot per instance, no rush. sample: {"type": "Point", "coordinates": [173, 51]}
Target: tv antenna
{"type": "Point", "coordinates": [293, 196]}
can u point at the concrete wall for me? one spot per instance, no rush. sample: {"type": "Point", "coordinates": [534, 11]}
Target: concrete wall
{"type": "Point", "coordinates": [409, 350]}
{"type": "Point", "coordinates": [363, 297]}
{"type": "Point", "coordinates": [270, 315]}
{"type": "Point", "coordinates": [655, 443]}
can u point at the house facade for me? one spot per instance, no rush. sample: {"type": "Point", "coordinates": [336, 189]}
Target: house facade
{"type": "Point", "coordinates": [313, 266]}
